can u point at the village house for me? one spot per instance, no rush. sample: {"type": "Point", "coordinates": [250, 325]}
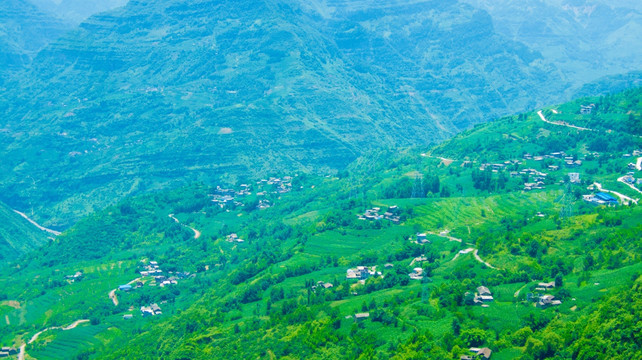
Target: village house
{"type": "Point", "coordinates": [264, 204]}
{"type": "Point", "coordinates": [601, 199]}
{"type": "Point", "coordinates": [628, 179]}
{"type": "Point", "coordinates": [322, 284]}
{"type": "Point", "coordinates": [361, 316]}
{"type": "Point", "coordinates": [587, 109]}
{"type": "Point", "coordinates": [75, 277]}
{"type": "Point", "coordinates": [477, 353]}
{"type": "Point", "coordinates": [233, 238]}
{"type": "Point", "coordinates": [483, 295]}
{"type": "Point", "coordinates": [7, 351]}
{"type": "Point", "coordinates": [126, 287]}
{"type": "Point", "coordinates": [151, 310]}
{"type": "Point", "coordinates": [546, 301]}
{"type": "Point", "coordinates": [574, 178]}
{"type": "Point", "coordinates": [128, 316]}
{"type": "Point", "coordinates": [421, 239]}
{"type": "Point", "coordinates": [417, 273]}
{"type": "Point", "coordinates": [546, 285]}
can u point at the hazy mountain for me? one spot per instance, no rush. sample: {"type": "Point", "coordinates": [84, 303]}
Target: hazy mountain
{"type": "Point", "coordinates": [24, 30]}
{"type": "Point", "coordinates": [167, 91]}
{"type": "Point", "coordinates": [587, 39]}
{"type": "Point", "coordinates": [75, 11]}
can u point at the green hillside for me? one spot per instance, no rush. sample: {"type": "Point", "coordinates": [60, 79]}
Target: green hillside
{"type": "Point", "coordinates": [246, 270]}
{"type": "Point", "coordinates": [161, 93]}
{"type": "Point", "coordinates": [17, 235]}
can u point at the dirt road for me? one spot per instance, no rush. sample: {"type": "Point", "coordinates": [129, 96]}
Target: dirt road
{"type": "Point", "coordinates": [561, 123]}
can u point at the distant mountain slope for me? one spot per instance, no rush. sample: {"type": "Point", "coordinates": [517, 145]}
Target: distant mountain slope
{"type": "Point", "coordinates": [586, 39]}
{"type": "Point", "coordinates": [167, 91]}
{"type": "Point", "coordinates": [17, 235]}
{"type": "Point", "coordinates": [75, 11]}
{"type": "Point", "coordinates": [24, 30]}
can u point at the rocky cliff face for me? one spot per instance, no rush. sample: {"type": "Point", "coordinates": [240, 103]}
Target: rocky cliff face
{"type": "Point", "coordinates": [168, 91]}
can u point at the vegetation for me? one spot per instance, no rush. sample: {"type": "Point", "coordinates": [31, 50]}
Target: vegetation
{"type": "Point", "coordinates": [265, 296]}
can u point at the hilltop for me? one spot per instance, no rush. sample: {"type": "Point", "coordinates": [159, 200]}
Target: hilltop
{"type": "Point", "coordinates": [407, 253]}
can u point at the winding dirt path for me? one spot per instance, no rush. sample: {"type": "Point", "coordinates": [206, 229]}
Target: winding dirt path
{"type": "Point", "coordinates": [516, 294]}
{"type": "Point", "coordinates": [450, 238]}
{"type": "Point", "coordinates": [22, 353]}
{"type": "Point", "coordinates": [482, 261]}
{"type": "Point", "coordinates": [197, 234]}
{"type": "Point", "coordinates": [561, 123]}
{"type": "Point", "coordinates": [54, 232]}
{"type": "Point", "coordinates": [621, 179]}
{"type": "Point", "coordinates": [114, 297]}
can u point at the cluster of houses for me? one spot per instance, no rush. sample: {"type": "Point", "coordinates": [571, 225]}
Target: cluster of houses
{"type": "Point", "coordinates": [499, 166]}
{"type": "Point", "coordinates": [75, 277]}
{"type": "Point", "coordinates": [477, 353]}
{"type": "Point", "coordinates": [8, 351]}
{"type": "Point", "coordinates": [233, 238]}
{"type": "Point", "coordinates": [151, 310]}
{"type": "Point", "coordinates": [537, 179]}
{"type": "Point", "coordinates": [280, 185]}
{"type": "Point", "coordinates": [225, 197]}
{"type": "Point", "coordinates": [543, 301]}
{"type": "Point", "coordinates": [392, 214]}
{"type": "Point", "coordinates": [601, 198]}
{"type": "Point", "coordinates": [362, 273]}
{"type": "Point", "coordinates": [152, 269]}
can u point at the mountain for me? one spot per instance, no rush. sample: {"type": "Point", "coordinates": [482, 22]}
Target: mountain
{"type": "Point", "coordinates": [490, 240]}
{"type": "Point", "coordinates": [17, 235]}
{"type": "Point", "coordinates": [76, 11]}
{"type": "Point", "coordinates": [587, 40]}
{"type": "Point", "coordinates": [24, 30]}
{"type": "Point", "coordinates": [160, 93]}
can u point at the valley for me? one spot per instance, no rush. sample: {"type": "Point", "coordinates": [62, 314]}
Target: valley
{"type": "Point", "coordinates": [499, 239]}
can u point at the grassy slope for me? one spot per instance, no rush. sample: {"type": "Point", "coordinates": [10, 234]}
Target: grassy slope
{"type": "Point", "coordinates": [17, 235]}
